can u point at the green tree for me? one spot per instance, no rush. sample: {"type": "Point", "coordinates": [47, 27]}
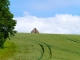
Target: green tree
{"type": "Point", "coordinates": [7, 23]}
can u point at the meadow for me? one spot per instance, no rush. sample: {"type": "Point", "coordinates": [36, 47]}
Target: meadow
{"type": "Point", "coordinates": [26, 46]}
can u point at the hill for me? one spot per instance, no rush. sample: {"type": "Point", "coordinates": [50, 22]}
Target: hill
{"type": "Point", "coordinates": [44, 47]}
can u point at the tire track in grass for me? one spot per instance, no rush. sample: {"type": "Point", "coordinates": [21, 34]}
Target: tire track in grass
{"type": "Point", "coordinates": [42, 50]}
{"type": "Point", "coordinates": [49, 48]}
{"type": "Point", "coordinates": [43, 45]}
{"type": "Point", "coordinates": [50, 51]}
{"type": "Point", "coordinates": [74, 40]}
{"type": "Point", "coordinates": [67, 50]}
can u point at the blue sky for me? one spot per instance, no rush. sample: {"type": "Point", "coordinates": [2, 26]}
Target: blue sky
{"type": "Point", "coordinates": [45, 8]}
{"type": "Point", "coordinates": [48, 16]}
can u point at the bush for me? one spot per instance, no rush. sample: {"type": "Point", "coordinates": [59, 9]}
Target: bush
{"type": "Point", "coordinates": [15, 31]}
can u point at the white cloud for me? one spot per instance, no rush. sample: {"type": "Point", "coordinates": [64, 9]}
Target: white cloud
{"type": "Point", "coordinates": [60, 23]}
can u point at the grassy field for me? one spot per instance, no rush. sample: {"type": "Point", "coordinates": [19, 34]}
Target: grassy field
{"type": "Point", "coordinates": [42, 47]}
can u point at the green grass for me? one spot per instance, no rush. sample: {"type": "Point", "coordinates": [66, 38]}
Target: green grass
{"type": "Point", "coordinates": [42, 47]}
{"type": "Point", "coordinates": [7, 51]}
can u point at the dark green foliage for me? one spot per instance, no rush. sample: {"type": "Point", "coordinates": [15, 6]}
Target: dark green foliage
{"type": "Point", "coordinates": [1, 40]}
{"type": "Point", "coordinates": [15, 31]}
{"type": "Point", "coordinates": [7, 23]}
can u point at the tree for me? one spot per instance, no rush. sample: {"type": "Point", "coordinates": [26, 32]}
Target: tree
{"type": "Point", "coordinates": [7, 23]}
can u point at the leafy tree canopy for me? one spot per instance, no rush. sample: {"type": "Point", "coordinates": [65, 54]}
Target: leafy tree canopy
{"type": "Point", "coordinates": [7, 23]}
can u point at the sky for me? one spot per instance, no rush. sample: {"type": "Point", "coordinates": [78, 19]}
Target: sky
{"type": "Point", "coordinates": [48, 16]}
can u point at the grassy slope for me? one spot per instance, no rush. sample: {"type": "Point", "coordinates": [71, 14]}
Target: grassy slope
{"type": "Point", "coordinates": [7, 51]}
{"type": "Point", "coordinates": [46, 47]}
